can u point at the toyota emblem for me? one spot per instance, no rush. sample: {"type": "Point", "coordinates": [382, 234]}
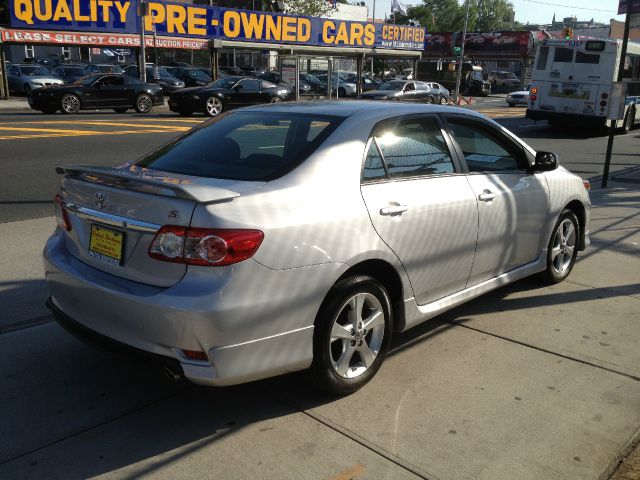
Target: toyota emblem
{"type": "Point", "coordinates": [101, 200]}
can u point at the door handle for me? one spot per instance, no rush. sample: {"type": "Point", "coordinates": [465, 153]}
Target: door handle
{"type": "Point", "coordinates": [486, 196]}
{"type": "Point", "coordinates": [396, 209]}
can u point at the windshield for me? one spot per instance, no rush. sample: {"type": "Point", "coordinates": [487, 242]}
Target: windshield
{"type": "Point", "coordinates": [110, 69]}
{"type": "Point", "coordinates": [76, 72]}
{"type": "Point", "coordinates": [226, 82]}
{"type": "Point", "coordinates": [34, 70]}
{"type": "Point", "coordinates": [248, 146]}
{"type": "Point", "coordinates": [163, 72]}
{"type": "Point", "coordinates": [199, 74]}
{"type": "Point", "coordinates": [391, 86]}
{"type": "Point", "coordinates": [86, 80]}
{"type": "Point", "coordinates": [477, 75]}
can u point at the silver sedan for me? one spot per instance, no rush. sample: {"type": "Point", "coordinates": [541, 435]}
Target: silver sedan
{"type": "Point", "coordinates": [300, 236]}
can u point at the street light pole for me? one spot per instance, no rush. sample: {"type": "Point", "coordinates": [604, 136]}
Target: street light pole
{"type": "Point", "coordinates": [143, 62]}
{"type": "Point", "coordinates": [464, 37]}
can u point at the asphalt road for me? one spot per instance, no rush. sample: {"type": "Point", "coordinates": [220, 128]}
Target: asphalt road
{"type": "Point", "coordinates": [32, 144]}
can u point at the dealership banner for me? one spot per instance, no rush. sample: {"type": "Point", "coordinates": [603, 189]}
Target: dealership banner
{"type": "Point", "coordinates": [200, 21]}
{"type": "Point", "coordinates": [51, 37]}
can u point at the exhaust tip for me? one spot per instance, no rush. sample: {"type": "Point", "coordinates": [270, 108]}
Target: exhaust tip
{"type": "Point", "coordinates": [172, 374]}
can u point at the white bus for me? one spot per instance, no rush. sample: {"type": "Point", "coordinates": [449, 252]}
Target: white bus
{"type": "Point", "coordinates": [572, 81]}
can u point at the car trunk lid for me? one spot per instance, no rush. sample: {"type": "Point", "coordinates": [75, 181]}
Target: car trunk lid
{"type": "Point", "coordinates": [115, 213]}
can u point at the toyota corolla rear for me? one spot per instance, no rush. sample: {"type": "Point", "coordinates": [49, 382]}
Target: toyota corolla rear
{"type": "Point", "coordinates": [157, 256]}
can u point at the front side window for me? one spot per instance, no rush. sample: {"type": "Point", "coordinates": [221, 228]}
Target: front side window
{"type": "Point", "coordinates": [413, 147]}
{"type": "Point", "coordinates": [483, 152]}
{"type": "Point", "coordinates": [250, 84]}
{"type": "Point", "coordinates": [244, 146]}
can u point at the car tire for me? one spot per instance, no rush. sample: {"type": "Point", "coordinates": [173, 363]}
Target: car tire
{"type": "Point", "coordinates": [120, 110]}
{"type": "Point", "coordinates": [70, 103]}
{"type": "Point", "coordinates": [342, 92]}
{"type": "Point", "coordinates": [27, 89]}
{"type": "Point", "coordinates": [429, 100]}
{"type": "Point", "coordinates": [275, 100]}
{"type": "Point", "coordinates": [144, 103]}
{"type": "Point", "coordinates": [511, 104]}
{"type": "Point", "coordinates": [348, 349]}
{"type": "Point", "coordinates": [443, 101]}
{"type": "Point", "coordinates": [563, 247]}
{"type": "Point", "coordinates": [213, 107]}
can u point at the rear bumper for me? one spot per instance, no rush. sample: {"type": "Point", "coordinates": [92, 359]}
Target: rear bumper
{"type": "Point", "coordinates": [248, 333]}
{"type": "Point", "coordinates": [565, 117]}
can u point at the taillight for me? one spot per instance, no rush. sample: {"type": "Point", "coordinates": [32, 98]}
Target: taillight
{"type": "Point", "coordinates": [204, 246]}
{"type": "Point", "coordinates": [62, 217]}
{"type": "Point", "coordinates": [195, 355]}
{"type": "Point", "coordinates": [534, 90]}
{"type": "Point", "coordinates": [532, 98]}
{"type": "Point", "coordinates": [587, 185]}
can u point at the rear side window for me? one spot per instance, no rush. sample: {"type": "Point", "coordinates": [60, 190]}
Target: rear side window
{"type": "Point", "coordinates": [541, 64]}
{"type": "Point", "coordinates": [563, 55]}
{"type": "Point", "coordinates": [244, 146]}
{"type": "Point", "coordinates": [413, 147]}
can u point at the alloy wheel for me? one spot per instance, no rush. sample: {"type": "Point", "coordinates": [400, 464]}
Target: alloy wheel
{"type": "Point", "coordinates": [564, 244]}
{"type": "Point", "coordinates": [356, 335]}
{"type": "Point", "coordinates": [213, 106]}
{"type": "Point", "coordinates": [275, 100]}
{"type": "Point", "coordinates": [144, 104]}
{"type": "Point", "coordinates": [70, 104]}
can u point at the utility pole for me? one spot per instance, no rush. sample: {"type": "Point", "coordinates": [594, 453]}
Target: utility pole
{"type": "Point", "coordinates": [612, 128]}
{"type": "Point", "coordinates": [464, 38]}
{"type": "Point", "coordinates": [373, 19]}
{"type": "Point", "coordinates": [144, 9]}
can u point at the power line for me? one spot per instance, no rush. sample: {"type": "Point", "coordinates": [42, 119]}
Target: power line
{"type": "Point", "coordinates": [571, 6]}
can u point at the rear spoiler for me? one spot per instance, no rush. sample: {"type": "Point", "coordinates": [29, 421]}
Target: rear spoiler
{"type": "Point", "coordinates": [150, 181]}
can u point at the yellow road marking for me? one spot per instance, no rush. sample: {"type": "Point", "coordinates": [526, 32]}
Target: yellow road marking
{"type": "Point", "coordinates": [119, 124]}
{"type": "Point", "coordinates": [70, 134]}
{"type": "Point", "coordinates": [48, 130]}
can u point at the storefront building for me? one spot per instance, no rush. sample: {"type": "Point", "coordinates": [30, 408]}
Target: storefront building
{"type": "Point", "coordinates": [80, 30]}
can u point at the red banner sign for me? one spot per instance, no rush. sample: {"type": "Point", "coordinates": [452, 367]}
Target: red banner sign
{"type": "Point", "coordinates": [97, 39]}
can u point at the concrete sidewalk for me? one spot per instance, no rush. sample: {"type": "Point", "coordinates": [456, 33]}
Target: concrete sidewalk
{"type": "Point", "coordinates": [527, 382]}
{"type": "Point", "coordinates": [14, 104]}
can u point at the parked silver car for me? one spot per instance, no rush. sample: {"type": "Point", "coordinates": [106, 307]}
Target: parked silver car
{"type": "Point", "coordinates": [300, 236]}
{"type": "Point", "coordinates": [23, 78]}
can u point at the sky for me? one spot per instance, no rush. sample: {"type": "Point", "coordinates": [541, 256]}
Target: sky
{"type": "Point", "coordinates": [528, 11]}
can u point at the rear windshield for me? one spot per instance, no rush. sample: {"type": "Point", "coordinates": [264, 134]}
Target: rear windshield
{"type": "Point", "coordinates": [244, 146]}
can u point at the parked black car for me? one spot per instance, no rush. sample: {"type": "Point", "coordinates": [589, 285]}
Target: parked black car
{"type": "Point", "coordinates": [69, 73]}
{"type": "Point", "coordinates": [317, 85]}
{"type": "Point", "coordinates": [274, 77]}
{"type": "Point", "coordinates": [158, 75]}
{"type": "Point", "coordinates": [119, 92]}
{"type": "Point", "coordinates": [104, 68]}
{"type": "Point", "coordinates": [368, 83]}
{"type": "Point", "coordinates": [236, 71]}
{"type": "Point", "coordinates": [226, 93]}
{"type": "Point", "coordinates": [191, 76]}
{"type": "Point", "coordinates": [402, 91]}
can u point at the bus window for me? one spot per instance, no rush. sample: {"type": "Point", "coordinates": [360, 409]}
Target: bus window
{"type": "Point", "coordinates": [563, 55]}
{"type": "Point", "coordinates": [582, 57]}
{"type": "Point", "coordinates": [542, 58]}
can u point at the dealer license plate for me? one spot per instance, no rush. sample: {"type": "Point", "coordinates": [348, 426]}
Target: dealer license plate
{"type": "Point", "coordinates": [106, 244]}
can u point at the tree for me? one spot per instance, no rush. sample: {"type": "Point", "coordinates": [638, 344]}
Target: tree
{"type": "Point", "coordinates": [448, 15]}
{"type": "Point", "coordinates": [492, 15]}
{"type": "Point", "coordinates": [308, 8]}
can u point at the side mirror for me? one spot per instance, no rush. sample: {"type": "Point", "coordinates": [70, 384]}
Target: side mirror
{"type": "Point", "coordinates": [545, 162]}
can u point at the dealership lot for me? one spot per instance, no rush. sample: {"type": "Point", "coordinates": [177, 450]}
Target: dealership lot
{"type": "Point", "coordinates": [529, 381]}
